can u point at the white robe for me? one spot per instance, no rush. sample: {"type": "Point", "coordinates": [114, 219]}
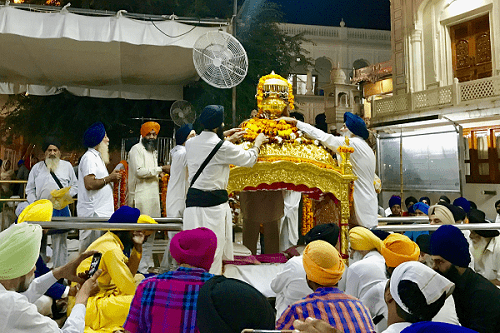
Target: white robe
{"type": "Point", "coordinates": [364, 274]}
{"type": "Point", "coordinates": [215, 176]}
{"type": "Point", "coordinates": [289, 226]}
{"type": "Point", "coordinates": [363, 166]}
{"type": "Point", "coordinates": [178, 183]}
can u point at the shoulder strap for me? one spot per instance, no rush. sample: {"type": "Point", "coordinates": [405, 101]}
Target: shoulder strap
{"type": "Point", "coordinates": [205, 162]}
{"type": "Point", "coordinates": [55, 178]}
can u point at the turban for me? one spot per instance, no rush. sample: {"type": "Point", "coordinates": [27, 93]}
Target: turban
{"type": "Point", "coordinates": [426, 199]}
{"type": "Point", "coordinates": [411, 210]}
{"type": "Point", "coordinates": [94, 135]}
{"type": "Point", "coordinates": [228, 306]}
{"type": "Point", "coordinates": [19, 250]}
{"type": "Point", "coordinates": [380, 234]}
{"type": "Point", "coordinates": [477, 216]}
{"type": "Point", "coordinates": [327, 232]}
{"type": "Point", "coordinates": [462, 202]}
{"type": "Point", "coordinates": [450, 243]}
{"type": "Point", "coordinates": [125, 214]}
{"type": "Point", "coordinates": [496, 203]}
{"type": "Point", "coordinates": [194, 247]}
{"type": "Point", "coordinates": [323, 263]}
{"type": "Point", "coordinates": [426, 282]}
{"type": "Point", "coordinates": [410, 200]}
{"type": "Point", "coordinates": [442, 213]}
{"type": "Point", "coordinates": [363, 239]}
{"type": "Point", "coordinates": [444, 198]}
{"type": "Point", "coordinates": [398, 249]}
{"type": "Point", "coordinates": [434, 326]}
{"type": "Point", "coordinates": [356, 125]}
{"type": "Point", "coordinates": [394, 200]}
{"type": "Point", "coordinates": [182, 133]}
{"type": "Point", "coordinates": [146, 219]}
{"type": "Point", "coordinates": [38, 211]}
{"type": "Point", "coordinates": [424, 208]}
{"type": "Point", "coordinates": [149, 126]}
{"type": "Point", "coordinates": [20, 162]}
{"type": "Point", "coordinates": [50, 141]}
{"type": "Point", "coordinates": [424, 243]}
{"type": "Point", "coordinates": [212, 116]}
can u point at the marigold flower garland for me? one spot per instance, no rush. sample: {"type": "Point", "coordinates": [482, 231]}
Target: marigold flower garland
{"type": "Point", "coordinates": [163, 196]}
{"type": "Point", "coordinates": [260, 90]}
{"type": "Point", "coordinates": [120, 188]}
{"type": "Point", "coordinates": [307, 214]}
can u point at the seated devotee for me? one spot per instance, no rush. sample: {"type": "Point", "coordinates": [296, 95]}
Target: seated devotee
{"type": "Point", "coordinates": [408, 203]}
{"type": "Point", "coordinates": [462, 203]}
{"type": "Point", "coordinates": [367, 266]}
{"type": "Point", "coordinates": [229, 306]}
{"type": "Point", "coordinates": [324, 267]}
{"type": "Point", "coordinates": [167, 302]}
{"type": "Point", "coordinates": [444, 198]}
{"type": "Point", "coordinates": [477, 300]}
{"type": "Point", "coordinates": [425, 200]}
{"type": "Point", "coordinates": [419, 209]}
{"type": "Point", "coordinates": [415, 293]}
{"type": "Point", "coordinates": [424, 243]}
{"type": "Point", "coordinates": [290, 284]}
{"type": "Point", "coordinates": [394, 209]}
{"type": "Point", "coordinates": [486, 248]}
{"type": "Point", "coordinates": [19, 251]}
{"type": "Point", "coordinates": [121, 254]}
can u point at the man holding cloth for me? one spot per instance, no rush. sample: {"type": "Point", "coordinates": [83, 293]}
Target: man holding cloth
{"type": "Point", "coordinates": [44, 180]}
{"type": "Point", "coordinates": [207, 198]}
{"type": "Point", "coordinates": [143, 183]}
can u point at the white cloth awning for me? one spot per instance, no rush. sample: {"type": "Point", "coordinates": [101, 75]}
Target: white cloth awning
{"type": "Point", "coordinates": [110, 57]}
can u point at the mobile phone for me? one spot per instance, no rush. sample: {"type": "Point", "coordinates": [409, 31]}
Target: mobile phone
{"type": "Point", "coordinates": [94, 265]}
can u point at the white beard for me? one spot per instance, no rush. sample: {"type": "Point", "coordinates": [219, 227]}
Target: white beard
{"type": "Point", "coordinates": [26, 284]}
{"type": "Point", "coordinates": [103, 149]}
{"type": "Point", "coordinates": [478, 248]}
{"type": "Point", "coordinates": [356, 256]}
{"type": "Point", "coordinates": [52, 163]}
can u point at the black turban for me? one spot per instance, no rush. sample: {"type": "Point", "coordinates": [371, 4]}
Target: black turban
{"type": "Point", "coordinates": [327, 232]}
{"type": "Point", "coordinates": [50, 141]}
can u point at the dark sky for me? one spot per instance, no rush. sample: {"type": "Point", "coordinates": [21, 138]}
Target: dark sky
{"type": "Point", "coordinates": [367, 14]}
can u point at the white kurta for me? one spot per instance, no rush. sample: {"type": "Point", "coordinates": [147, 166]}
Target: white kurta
{"type": "Point", "coordinates": [40, 182]}
{"type": "Point", "coordinates": [290, 285]}
{"type": "Point", "coordinates": [364, 274]}
{"type": "Point", "coordinates": [397, 327]}
{"type": "Point", "coordinates": [143, 183]}
{"type": "Point", "coordinates": [178, 183]}
{"type": "Point", "coordinates": [289, 226]}
{"type": "Point", "coordinates": [215, 176]}
{"type": "Point", "coordinates": [363, 166]}
{"type": "Point", "coordinates": [489, 263]}
{"type": "Point", "coordinates": [19, 315]}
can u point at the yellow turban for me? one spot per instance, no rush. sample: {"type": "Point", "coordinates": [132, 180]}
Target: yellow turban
{"type": "Point", "coordinates": [398, 249]}
{"type": "Point", "coordinates": [442, 213]}
{"type": "Point", "coordinates": [147, 219]}
{"type": "Point", "coordinates": [150, 126]}
{"type": "Point", "coordinates": [19, 250]}
{"type": "Point", "coordinates": [363, 239]}
{"type": "Point", "coordinates": [38, 211]}
{"type": "Point", "coordinates": [322, 263]}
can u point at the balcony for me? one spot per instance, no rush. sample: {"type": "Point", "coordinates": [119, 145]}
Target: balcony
{"type": "Point", "coordinates": [429, 100]}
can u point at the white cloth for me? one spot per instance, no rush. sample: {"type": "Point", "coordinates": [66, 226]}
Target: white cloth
{"type": "Point", "coordinates": [40, 182]}
{"type": "Point", "coordinates": [143, 184]}
{"type": "Point", "coordinates": [374, 301]}
{"type": "Point", "coordinates": [178, 183]}
{"type": "Point", "coordinates": [489, 263]}
{"type": "Point", "coordinates": [363, 166]}
{"type": "Point", "coordinates": [289, 225]}
{"type": "Point", "coordinates": [290, 285]}
{"type": "Point", "coordinates": [93, 203]}
{"type": "Point", "coordinates": [397, 327]}
{"type": "Point", "coordinates": [19, 315]}
{"type": "Point", "coordinates": [364, 274]}
{"type": "Point", "coordinates": [215, 176]}
{"type": "Point", "coordinates": [497, 220]}
{"type": "Point", "coordinates": [60, 246]}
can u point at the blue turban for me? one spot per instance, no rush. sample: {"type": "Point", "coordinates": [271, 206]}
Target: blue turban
{"type": "Point", "coordinates": [394, 200]}
{"type": "Point", "coordinates": [94, 134]}
{"type": "Point", "coordinates": [182, 133]}
{"type": "Point", "coordinates": [21, 162]}
{"type": "Point", "coordinates": [432, 327]}
{"type": "Point", "coordinates": [450, 243]}
{"type": "Point", "coordinates": [462, 202]}
{"type": "Point", "coordinates": [421, 207]}
{"type": "Point", "coordinates": [356, 125]}
{"type": "Point", "coordinates": [125, 214]}
{"type": "Point", "coordinates": [212, 116]}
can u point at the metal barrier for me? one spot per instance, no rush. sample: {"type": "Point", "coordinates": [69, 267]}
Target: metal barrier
{"type": "Point", "coordinates": [429, 227]}
{"type": "Point", "coordinates": [404, 220]}
{"type": "Point", "coordinates": [87, 225]}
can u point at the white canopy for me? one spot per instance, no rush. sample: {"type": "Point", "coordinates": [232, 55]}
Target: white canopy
{"type": "Point", "coordinates": [110, 57]}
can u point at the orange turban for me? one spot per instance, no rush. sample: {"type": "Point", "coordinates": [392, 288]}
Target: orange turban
{"type": "Point", "coordinates": [398, 249]}
{"type": "Point", "coordinates": [362, 239]}
{"type": "Point", "coordinates": [322, 263]}
{"type": "Point", "coordinates": [150, 126]}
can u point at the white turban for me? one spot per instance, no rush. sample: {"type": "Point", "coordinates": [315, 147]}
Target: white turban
{"type": "Point", "coordinates": [19, 250]}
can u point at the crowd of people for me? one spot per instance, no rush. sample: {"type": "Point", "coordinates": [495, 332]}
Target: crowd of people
{"type": "Point", "coordinates": [444, 280]}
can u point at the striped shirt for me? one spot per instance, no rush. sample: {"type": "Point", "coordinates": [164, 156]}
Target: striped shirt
{"type": "Point", "coordinates": [342, 311]}
{"type": "Point", "coordinates": [167, 302]}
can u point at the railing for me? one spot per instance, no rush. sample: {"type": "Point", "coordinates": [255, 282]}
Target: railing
{"type": "Point", "coordinates": [110, 226]}
{"type": "Point", "coordinates": [336, 32]}
{"type": "Point", "coordinates": [434, 227]}
{"type": "Point", "coordinates": [456, 94]}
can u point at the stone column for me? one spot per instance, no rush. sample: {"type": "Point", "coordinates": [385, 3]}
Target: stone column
{"type": "Point", "coordinates": [309, 82]}
{"type": "Point", "coordinates": [416, 54]}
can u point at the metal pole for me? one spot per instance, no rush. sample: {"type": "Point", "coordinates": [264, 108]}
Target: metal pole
{"type": "Point", "coordinates": [235, 13]}
{"type": "Point", "coordinates": [401, 164]}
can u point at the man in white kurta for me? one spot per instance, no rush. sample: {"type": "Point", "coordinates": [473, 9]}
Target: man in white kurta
{"type": "Point", "coordinates": [143, 182]}
{"type": "Point", "coordinates": [362, 160]}
{"type": "Point", "coordinates": [41, 184]}
{"type": "Point", "coordinates": [215, 177]}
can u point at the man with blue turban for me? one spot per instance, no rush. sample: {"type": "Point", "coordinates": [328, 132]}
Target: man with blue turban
{"type": "Point", "coordinates": [207, 199]}
{"type": "Point", "coordinates": [363, 163]}
{"type": "Point", "coordinates": [95, 191]}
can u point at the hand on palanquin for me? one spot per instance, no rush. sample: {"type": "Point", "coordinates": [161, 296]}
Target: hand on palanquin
{"type": "Point", "coordinates": [290, 120]}
{"type": "Point", "coordinates": [234, 134]}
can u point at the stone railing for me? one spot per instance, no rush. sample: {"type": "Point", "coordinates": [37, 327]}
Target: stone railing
{"type": "Point", "coordinates": [456, 94]}
{"type": "Point", "coordinates": [343, 33]}
{"type": "Point", "coordinates": [372, 73]}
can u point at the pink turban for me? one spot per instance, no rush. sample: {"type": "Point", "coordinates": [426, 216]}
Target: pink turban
{"type": "Point", "coordinates": [194, 247]}
{"type": "Point", "coordinates": [150, 126]}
